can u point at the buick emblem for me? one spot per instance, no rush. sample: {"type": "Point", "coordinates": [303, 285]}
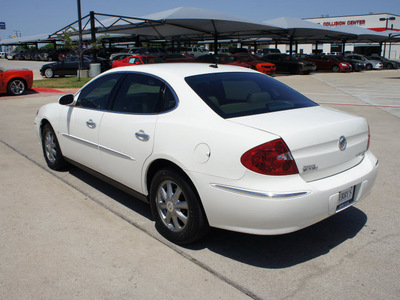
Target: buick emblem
{"type": "Point", "coordinates": [342, 143]}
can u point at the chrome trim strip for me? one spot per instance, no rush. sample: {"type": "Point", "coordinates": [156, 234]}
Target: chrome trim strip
{"type": "Point", "coordinates": [116, 153]}
{"type": "Point", "coordinates": [80, 140]}
{"type": "Point", "coordinates": [259, 194]}
{"type": "Point", "coordinates": [98, 146]}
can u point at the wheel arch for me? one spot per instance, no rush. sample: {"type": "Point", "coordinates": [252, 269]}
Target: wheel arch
{"type": "Point", "coordinates": [160, 164]}
{"type": "Point", "coordinates": [17, 78]}
{"type": "Point", "coordinates": [43, 122]}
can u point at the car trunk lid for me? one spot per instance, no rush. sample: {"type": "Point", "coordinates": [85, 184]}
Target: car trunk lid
{"type": "Point", "coordinates": [323, 142]}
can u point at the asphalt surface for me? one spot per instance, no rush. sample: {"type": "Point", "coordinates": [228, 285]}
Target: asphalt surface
{"type": "Point", "coordinates": [71, 236]}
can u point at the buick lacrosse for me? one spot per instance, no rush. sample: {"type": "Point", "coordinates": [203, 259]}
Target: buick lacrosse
{"type": "Point", "coordinates": [212, 146]}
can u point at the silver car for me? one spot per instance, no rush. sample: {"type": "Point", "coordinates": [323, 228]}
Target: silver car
{"type": "Point", "coordinates": [369, 63]}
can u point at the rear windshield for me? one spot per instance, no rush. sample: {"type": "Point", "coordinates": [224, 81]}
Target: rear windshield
{"type": "Point", "coordinates": [242, 94]}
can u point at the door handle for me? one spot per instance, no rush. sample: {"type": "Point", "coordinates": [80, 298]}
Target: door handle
{"type": "Point", "coordinates": [141, 136]}
{"type": "Point", "coordinates": [91, 124]}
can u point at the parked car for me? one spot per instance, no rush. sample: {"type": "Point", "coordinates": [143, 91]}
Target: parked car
{"type": "Point", "coordinates": [49, 55]}
{"type": "Point", "coordinates": [225, 147]}
{"type": "Point", "coordinates": [265, 51]}
{"type": "Point", "coordinates": [15, 82]}
{"type": "Point", "coordinates": [224, 59]}
{"type": "Point", "coordinates": [137, 60]}
{"type": "Point", "coordinates": [118, 56]}
{"type": "Point", "coordinates": [68, 66]}
{"type": "Point", "coordinates": [369, 63]}
{"type": "Point", "coordinates": [3, 55]}
{"type": "Point", "coordinates": [197, 51]}
{"type": "Point", "coordinates": [153, 51]}
{"type": "Point", "coordinates": [356, 66]}
{"type": "Point", "coordinates": [255, 63]}
{"type": "Point", "coordinates": [13, 54]}
{"type": "Point", "coordinates": [291, 64]}
{"type": "Point", "coordinates": [178, 57]}
{"type": "Point", "coordinates": [387, 63]}
{"type": "Point", "coordinates": [324, 62]}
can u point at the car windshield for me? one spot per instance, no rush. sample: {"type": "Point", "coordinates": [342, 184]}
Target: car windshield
{"type": "Point", "coordinates": [242, 94]}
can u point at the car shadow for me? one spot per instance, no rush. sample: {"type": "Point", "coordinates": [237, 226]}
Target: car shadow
{"type": "Point", "coordinates": [273, 252]}
{"type": "Point", "coordinates": [114, 193]}
{"type": "Point", "coordinates": [282, 251]}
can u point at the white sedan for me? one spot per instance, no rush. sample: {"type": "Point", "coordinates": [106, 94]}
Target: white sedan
{"type": "Point", "coordinates": [212, 146]}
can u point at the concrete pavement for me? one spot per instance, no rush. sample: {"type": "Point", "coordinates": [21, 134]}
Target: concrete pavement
{"type": "Point", "coordinates": [68, 235]}
{"type": "Point", "coordinates": [56, 243]}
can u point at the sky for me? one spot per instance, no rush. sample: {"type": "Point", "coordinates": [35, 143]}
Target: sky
{"type": "Point", "coordinates": [31, 17]}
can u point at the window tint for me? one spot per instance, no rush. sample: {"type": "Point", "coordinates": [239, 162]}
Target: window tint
{"type": "Point", "coordinates": [241, 94]}
{"type": "Point", "coordinates": [96, 94]}
{"type": "Point", "coordinates": [143, 94]}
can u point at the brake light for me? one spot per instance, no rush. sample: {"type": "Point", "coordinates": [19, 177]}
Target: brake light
{"type": "Point", "coordinates": [272, 158]}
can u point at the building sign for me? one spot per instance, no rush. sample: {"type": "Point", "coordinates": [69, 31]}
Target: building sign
{"type": "Point", "coordinates": [341, 23]}
{"type": "Point", "coordinates": [2, 25]}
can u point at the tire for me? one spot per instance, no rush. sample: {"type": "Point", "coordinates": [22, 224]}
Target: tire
{"type": "Point", "coordinates": [51, 149]}
{"type": "Point", "coordinates": [335, 69]}
{"type": "Point", "coordinates": [16, 87]}
{"type": "Point", "coordinates": [389, 66]}
{"type": "Point", "coordinates": [176, 208]}
{"type": "Point", "coordinates": [368, 67]}
{"type": "Point", "coordinates": [49, 73]}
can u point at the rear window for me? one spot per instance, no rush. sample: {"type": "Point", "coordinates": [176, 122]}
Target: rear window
{"type": "Point", "coordinates": [242, 94]}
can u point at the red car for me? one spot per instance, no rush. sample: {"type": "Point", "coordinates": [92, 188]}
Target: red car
{"type": "Point", "coordinates": [15, 82]}
{"type": "Point", "coordinates": [324, 62]}
{"type": "Point", "coordinates": [255, 63]}
{"type": "Point", "coordinates": [136, 60]}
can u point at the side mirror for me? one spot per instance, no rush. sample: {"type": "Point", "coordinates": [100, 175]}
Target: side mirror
{"type": "Point", "coordinates": [66, 99]}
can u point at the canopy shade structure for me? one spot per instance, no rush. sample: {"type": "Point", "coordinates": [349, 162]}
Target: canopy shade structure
{"type": "Point", "coordinates": [28, 40]}
{"type": "Point", "coordinates": [182, 23]}
{"type": "Point", "coordinates": [362, 34]}
{"type": "Point", "coordinates": [301, 30]}
{"type": "Point", "coordinates": [202, 24]}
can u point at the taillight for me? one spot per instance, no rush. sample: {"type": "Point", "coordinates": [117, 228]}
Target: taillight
{"type": "Point", "coordinates": [272, 158]}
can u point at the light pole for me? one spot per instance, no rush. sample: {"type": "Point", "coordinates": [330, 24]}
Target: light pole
{"type": "Point", "coordinates": [386, 28]}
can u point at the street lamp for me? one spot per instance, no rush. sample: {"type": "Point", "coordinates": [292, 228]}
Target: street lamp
{"type": "Point", "coordinates": [386, 28]}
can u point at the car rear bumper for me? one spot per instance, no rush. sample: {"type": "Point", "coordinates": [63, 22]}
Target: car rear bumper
{"type": "Point", "coordinates": [271, 205]}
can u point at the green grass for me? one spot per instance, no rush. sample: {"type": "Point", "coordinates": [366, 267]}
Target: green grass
{"type": "Point", "coordinates": [63, 82]}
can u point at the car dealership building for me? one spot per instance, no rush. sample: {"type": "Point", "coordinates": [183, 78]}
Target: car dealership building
{"type": "Point", "coordinates": [384, 23]}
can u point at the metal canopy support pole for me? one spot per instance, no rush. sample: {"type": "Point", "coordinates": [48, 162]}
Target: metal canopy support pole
{"type": "Point", "coordinates": [93, 32]}
{"type": "Point", "coordinates": [343, 46]}
{"type": "Point", "coordinates": [216, 43]}
{"type": "Point", "coordinates": [80, 39]}
{"type": "Point", "coordinates": [92, 27]}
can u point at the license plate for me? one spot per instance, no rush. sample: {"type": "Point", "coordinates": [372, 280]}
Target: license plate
{"type": "Point", "coordinates": [345, 198]}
